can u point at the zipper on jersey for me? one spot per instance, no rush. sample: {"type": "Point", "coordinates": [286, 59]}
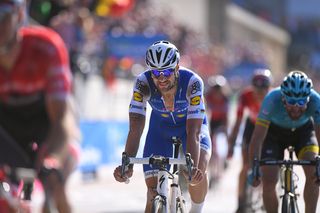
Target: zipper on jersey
{"type": "Point", "coordinates": [172, 116]}
{"type": "Point", "coordinates": [174, 120]}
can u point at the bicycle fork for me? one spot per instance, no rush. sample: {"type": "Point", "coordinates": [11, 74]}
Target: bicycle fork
{"type": "Point", "coordinates": [289, 186]}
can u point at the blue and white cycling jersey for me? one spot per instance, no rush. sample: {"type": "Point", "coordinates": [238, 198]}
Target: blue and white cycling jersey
{"type": "Point", "coordinates": [164, 124]}
{"type": "Point", "coordinates": [273, 110]}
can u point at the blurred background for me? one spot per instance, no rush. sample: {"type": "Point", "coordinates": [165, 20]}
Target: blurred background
{"type": "Point", "coordinates": [107, 40]}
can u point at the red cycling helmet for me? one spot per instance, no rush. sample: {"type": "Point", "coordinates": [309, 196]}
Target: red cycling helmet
{"type": "Point", "coordinates": [261, 78]}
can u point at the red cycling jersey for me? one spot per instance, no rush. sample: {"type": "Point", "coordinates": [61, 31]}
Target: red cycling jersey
{"type": "Point", "coordinates": [42, 65]}
{"type": "Point", "coordinates": [218, 106]}
{"type": "Point", "coordinates": [247, 100]}
{"type": "Point", "coordinates": [41, 71]}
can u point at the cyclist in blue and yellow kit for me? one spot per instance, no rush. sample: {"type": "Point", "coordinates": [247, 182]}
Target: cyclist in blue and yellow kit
{"type": "Point", "coordinates": [175, 95]}
{"type": "Point", "coordinates": [289, 115]}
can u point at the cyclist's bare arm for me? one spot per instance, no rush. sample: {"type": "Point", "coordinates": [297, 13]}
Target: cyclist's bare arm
{"type": "Point", "coordinates": [258, 136]}
{"type": "Point", "coordinates": [136, 126]}
{"type": "Point", "coordinates": [233, 135]}
{"type": "Point", "coordinates": [193, 147]}
{"type": "Point", "coordinates": [59, 113]}
{"type": "Point", "coordinates": [317, 131]}
{"type": "Point", "coordinates": [193, 140]}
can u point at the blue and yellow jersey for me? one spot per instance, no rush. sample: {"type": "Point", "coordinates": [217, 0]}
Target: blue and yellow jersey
{"type": "Point", "coordinates": [188, 102]}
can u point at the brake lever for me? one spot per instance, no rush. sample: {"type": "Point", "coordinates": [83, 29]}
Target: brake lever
{"type": "Point", "coordinates": [317, 159]}
{"type": "Point", "coordinates": [124, 163]}
{"type": "Point", "coordinates": [189, 163]}
{"type": "Point", "coordinates": [255, 169]}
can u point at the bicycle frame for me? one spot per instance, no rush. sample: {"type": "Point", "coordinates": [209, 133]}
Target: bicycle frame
{"type": "Point", "coordinates": [171, 193]}
{"type": "Point", "coordinates": [164, 176]}
{"type": "Point", "coordinates": [288, 180]}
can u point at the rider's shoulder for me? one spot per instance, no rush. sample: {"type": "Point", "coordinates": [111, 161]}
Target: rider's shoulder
{"type": "Point", "coordinates": [274, 93]}
{"type": "Point", "coordinates": [187, 73]}
{"type": "Point", "coordinates": [41, 36]}
{"type": "Point", "coordinates": [314, 96]}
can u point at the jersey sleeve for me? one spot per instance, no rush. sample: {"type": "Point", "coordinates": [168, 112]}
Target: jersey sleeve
{"type": "Point", "coordinates": [241, 105]}
{"type": "Point", "coordinates": [265, 112]}
{"type": "Point", "coordinates": [140, 95]}
{"type": "Point", "coordinates": [59, 78]}
{"type": "Point", "coordinates": [195, 97]}
{"type": "Point", "coordinates": [316, 107]}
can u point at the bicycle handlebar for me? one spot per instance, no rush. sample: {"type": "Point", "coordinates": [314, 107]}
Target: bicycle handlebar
{"type": "Point", "coordinates": [257, 163]}
{"type": "Point", "coordinates": [19, 173]}
{"type": "Point", "coordinates": [157, 160]}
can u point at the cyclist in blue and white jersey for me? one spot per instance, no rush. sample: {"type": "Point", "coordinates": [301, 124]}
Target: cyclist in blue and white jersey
{"type": "Point", "coordinates": [175, 95]}
{"type": "Point", "coordinates": [289, 115]}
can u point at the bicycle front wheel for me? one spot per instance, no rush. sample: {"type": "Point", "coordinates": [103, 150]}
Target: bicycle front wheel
{"type": "Point", "coordinates": [288, 204]}
{"type": "Point", "coordinates": [159, 205]}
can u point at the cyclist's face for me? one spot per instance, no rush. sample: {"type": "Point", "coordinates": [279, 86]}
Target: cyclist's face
{"type": "Point", "coordinates": [9, 22]}
{"type": "Point", "coordinates": [260, 92]}
{"type": "Point", "coordinates": [294, 111]}
{"type": "Point", "coordinates": [164, 80]}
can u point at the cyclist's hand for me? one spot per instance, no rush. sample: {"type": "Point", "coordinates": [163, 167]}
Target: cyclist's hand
{"type": "Point", "coordinates": [253, 181]}
{"type": "Point", "coordinates": [126, 176]}
{"type": "Point", "coordinates": [197, 176]}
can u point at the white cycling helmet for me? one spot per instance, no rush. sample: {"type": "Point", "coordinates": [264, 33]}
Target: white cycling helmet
{"type": "Point", "coordinates": [296, 85]}
{"type": "Point", "coordinates": [162, 55]}
{"type": "Point", "coordinates": [261, 78]}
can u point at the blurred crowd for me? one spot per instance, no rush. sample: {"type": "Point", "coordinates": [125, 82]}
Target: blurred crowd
{"type": "Point", "coordinates": [86, 24]}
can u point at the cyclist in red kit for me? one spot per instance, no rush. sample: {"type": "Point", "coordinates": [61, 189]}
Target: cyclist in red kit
{"type": "Point", "coordinates": [217, 99]}
{"type": "Point", "coordinates": [37, 124]}
{"type": "Point", "coordinates": [250, 99]}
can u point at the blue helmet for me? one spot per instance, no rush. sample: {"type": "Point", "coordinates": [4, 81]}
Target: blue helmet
{"type": "Point", "coordinates": [296, 85]}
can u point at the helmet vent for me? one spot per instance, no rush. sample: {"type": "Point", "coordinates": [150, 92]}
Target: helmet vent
{"type": "Point", "coordinates": [152, 58]}
{"type": "Point", "coordinates": [158, 54]}
{"type": "Point", "coordinates": [292, 84]}
{"type": "Point", "coordinates": [166, 54]}
{"type": "Point", "coordinates": [301, 84]}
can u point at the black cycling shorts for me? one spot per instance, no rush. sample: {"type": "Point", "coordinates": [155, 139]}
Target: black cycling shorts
{"type": "Point", "coordinates": [278, 139]}
{"type": "Point", "coordinates": [13, 154]}
{"type": "Point", "coordinates": [215, 125]}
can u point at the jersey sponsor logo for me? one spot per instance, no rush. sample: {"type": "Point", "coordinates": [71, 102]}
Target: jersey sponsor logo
{"type": "Point", "coordinates": [164, 115]}
{"type": "Point", "coordinates": [137, 96]}
{"type": "Point", "coordinates": [181, 115]}
{"type": "Point", "coordinates": [181, 102]}
{"type": "Point", "coordinates": [265, 112]}
{"type": "Point", "coordinates": [139, 85]}
{"type": "Point", "coordinates": [137, 107]}
{"type": "Point", "coordinates": [197, 111]}
{"type": "Point", "coordinates": [195, 87]}
{"type": "Point", "coordinates": [195, 100]}
{"type": "Point", "coordinates": [156, 100]}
